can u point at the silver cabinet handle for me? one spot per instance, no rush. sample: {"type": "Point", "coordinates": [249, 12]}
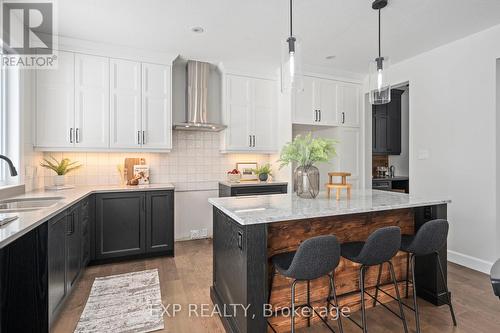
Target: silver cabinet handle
{"type": "Point", "coordinates": [250, 144]}
{"type": "Point", "coordinates": [138, 137]}
{"type": "Point", "coordinates": [77, 135]}
{"type": "Point", "coordinates": [343, 117]}
{"type": "Point", "coordinates": [319, 113]}
{"type": "Point", "coordinates": [253, 140]}
{"type": "Point", "coordinates": [143, 137]}
{"type": "Point", "coordinates": [315, 115]}
{"type": "Point", "coordinates": [71, 135]}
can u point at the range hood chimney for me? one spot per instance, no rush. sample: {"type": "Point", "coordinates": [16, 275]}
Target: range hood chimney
{"type": "Point", "coordinates": [197, 99]}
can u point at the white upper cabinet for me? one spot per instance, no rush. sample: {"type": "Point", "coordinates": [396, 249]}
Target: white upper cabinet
{"type": "Point", "coordinates": [156, 107]}
{"type": "Point", "coordinates": [91, 101]}
{"type": "Point", "coordinates": [349, 104]}
{"type": "Point", "coordinates": [327, 102]}
{"type": "Point", "coordinates": [94, 103]}
{"type": "Point", "coordinates": [55, 104]}
{"type": "Point", "coordinates": [250, 112]}
{"type": "Point", "coordinates": [125, 104]}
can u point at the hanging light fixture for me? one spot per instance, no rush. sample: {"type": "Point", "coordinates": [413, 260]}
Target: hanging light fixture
{"type": "Point", "coordinates": [380, 87]}
{"type": "Point", "coordinates": [292, 62]}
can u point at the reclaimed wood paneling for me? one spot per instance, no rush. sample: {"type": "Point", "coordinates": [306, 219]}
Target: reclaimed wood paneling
{"type": "Point", "coordinates": [287, 236]}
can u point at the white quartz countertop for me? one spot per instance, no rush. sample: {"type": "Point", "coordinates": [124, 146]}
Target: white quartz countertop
{"type": "Point", "coordinates": [251, 183]}
{"type": "Point", "coordinates": [28, 220]}
{"type": "Point", "coordinates": [284, 207]}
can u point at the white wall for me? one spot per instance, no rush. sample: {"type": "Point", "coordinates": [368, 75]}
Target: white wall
{"type": "Point", "coordinates": [453, 118]}
{"type": "Point", "coordinates": [401, 162]}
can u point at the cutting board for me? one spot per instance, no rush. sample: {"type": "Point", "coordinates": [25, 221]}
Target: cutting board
{"type": "Point", "coordinates": [129, 166]}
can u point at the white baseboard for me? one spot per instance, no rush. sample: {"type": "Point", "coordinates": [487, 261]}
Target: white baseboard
{"type": "Point", "coordinates": [470, 262]}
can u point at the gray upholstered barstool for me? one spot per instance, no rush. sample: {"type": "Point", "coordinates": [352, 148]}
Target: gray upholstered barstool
{"type": "Point", "coordinates": [378, 249]}
{"type": "Point", "coordinates": [429, 239]}
{"type": "Point", "coordinates": [315, 257]}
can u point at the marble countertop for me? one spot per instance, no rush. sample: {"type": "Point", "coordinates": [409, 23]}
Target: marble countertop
{"type": "Point", "coordinates": [28, 220]}
{"type": "Point", "coordinates": [284, 207]}
{"type": "Point", "coordinates": [251, 183]}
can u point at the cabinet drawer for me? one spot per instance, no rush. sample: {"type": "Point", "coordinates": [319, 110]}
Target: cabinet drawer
{"type": "Point", "coordinates": [258, 190]}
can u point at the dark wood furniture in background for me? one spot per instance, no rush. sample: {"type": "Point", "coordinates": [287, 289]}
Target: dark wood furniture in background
{"type": "Point", "coordinates": [386, 126]}
{"type": "Point", "coordinates": [242, 189]}
{"type": "Point", "coordinates": [396, 184]}
{"type": "Point", "coordinates": [241, 263]}
{"type": "Point", "coordinates": [39, 270]}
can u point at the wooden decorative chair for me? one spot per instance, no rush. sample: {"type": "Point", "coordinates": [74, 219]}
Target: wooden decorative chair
{"type": "Point", "coordinates": [338, 187]}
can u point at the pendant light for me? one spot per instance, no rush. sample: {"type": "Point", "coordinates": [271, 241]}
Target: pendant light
{"type": "Point", "coordinates": [380, 87]}
{"type": "Point", "coordinates": [292, 61]}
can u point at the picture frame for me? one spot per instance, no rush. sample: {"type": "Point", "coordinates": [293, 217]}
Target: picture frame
{"type": "Point", "coordinates": [246, 170]}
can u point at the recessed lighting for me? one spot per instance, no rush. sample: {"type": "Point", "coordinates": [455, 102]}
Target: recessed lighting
{"type": "Point", "coordinates": [330, 57]}
{"type": "Point", "coordinates": [197, 30]}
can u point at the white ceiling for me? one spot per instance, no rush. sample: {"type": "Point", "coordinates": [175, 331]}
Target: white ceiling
{"type": "Point", "coordinates": [253, 31]}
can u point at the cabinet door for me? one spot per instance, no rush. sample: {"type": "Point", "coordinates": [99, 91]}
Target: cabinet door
{"type": "Point", "coordinates": [84, 217]}
{"type": "Point", "coordinates": [349, 153]}
{"type": "Point", "coordinates": [125, 104]}
{"type": "Point", "coordinates": [91, 101]}
{"type": "Point", "coordinates": [57, 262]}
{"type": "Point", "coordinates": [156, 107]}
{"type": "Point", "coordinates": [238, 117]}
{"type": "Point", "coordinates": [264, 114]}
{"type": "Point", "coordinates": [349, 104]}
{"type": "Point", "coordinates": [55, 104]}
{"type": "Point", "coordinates": [160, 221]}
{"type": "Point", "coordinates": [379, 128]}
{"type": "Point", "coordinates": [325, 99]}
{"type": "Point", "coordinates": [394, 124]}
{"type": "Point", "coordinates": [73, 247]}
{"type": "Point", "coordinates": [120, 224]}
{"type": "Point", "coordinates": [304, 110]}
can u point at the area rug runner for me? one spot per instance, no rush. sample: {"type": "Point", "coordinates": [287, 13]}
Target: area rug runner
{"type": "Point", "coordinates": [123, 303]}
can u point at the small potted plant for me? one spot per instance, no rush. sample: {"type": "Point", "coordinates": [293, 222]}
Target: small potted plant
{"type": "Point", "coordinates": [304, 152]}
{"type": "Point", "coordinates": [61, 168]}
{"type": "Point", "coordinates": [263, 172]}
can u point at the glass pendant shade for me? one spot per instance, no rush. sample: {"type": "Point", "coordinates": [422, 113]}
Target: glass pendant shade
{"type": "Point", "coordinates": [380, 87]}
{"type": "Point", "coordinates": [291, 66]}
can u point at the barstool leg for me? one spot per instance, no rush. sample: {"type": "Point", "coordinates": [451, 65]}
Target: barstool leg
{"type": "Point", "coordinates": [407, 273]}
{"type": "Point", "coordinates": [378, 284]}
{"type": "Point", "coordinates": [293, 307]}
{"type": "Point", "coordinates": [362, 288]}
{"type": "Point", "coordinates": [415, 304]}
{"type": "Point", "coordinates": [339, 313]}
{"type": "Point", "coordinates": [445, 283]}
{"type": "Point", "coordinates": [393, 276]}
{"type": "Point", "coordinates": [309, 303]}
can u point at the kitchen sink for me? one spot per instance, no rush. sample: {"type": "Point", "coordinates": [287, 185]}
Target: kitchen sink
{"type": "Point", "coordinates": [27, 204]}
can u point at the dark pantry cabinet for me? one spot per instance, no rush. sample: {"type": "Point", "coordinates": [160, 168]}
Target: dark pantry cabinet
{"type": "Point", "coordinates": [134, 223]}
{"type": "Point", "coordinates": [386, 126]}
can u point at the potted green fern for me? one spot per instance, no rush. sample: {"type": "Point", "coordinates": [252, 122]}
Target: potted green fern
{"type": "Point", "coordinates": [263, 172]}
{"type": "Point", "coordinates": [305, 151]}
{"type": "Point", "coordinates": [61, 168]}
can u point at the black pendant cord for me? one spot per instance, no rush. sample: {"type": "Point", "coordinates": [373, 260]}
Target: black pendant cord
{"type": "Point", "coordinates": [291, 19]}
{"type": "Point", "coordinates": [379, 47]}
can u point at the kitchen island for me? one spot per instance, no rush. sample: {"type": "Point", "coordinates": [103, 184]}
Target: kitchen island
{"type": "Point", "coordinates": [248, 231]}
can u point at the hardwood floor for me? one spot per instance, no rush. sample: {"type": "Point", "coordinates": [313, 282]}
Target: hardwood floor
{"type": "Point", "coordinates": [186, 279]}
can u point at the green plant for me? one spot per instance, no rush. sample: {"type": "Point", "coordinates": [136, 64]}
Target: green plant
{"type": "Point", "coordinates": [60, 167]}
{"type": "Point", "coordinates": [263, 170]}
{"type": "Point", "coordinates": [306, 151]}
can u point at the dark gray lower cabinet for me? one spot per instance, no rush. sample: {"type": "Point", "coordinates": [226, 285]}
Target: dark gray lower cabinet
{"type": "Point", "coordinates": [120, 224]}
{"type": "Point", "coordinates": [57, 262]}
{"type": "Point", "coordinates": [159, 221]}
{"type": "Point", "coordinates": [85, 230]}
{"type": "Point", "coordinates": [73, 246]}
{"type": "Point", "coordinates": [134, 223]}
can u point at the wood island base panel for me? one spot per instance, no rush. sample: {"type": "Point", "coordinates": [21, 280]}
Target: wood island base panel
{"type": "Point", "coordinates": [242, 268]}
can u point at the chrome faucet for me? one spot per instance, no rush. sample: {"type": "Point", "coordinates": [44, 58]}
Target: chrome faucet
{"type": "Point", "coordinates": [12, 169]}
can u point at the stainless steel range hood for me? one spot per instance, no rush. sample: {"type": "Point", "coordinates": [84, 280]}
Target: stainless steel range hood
{"type": "Point", "coordinates": [197, 99]}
